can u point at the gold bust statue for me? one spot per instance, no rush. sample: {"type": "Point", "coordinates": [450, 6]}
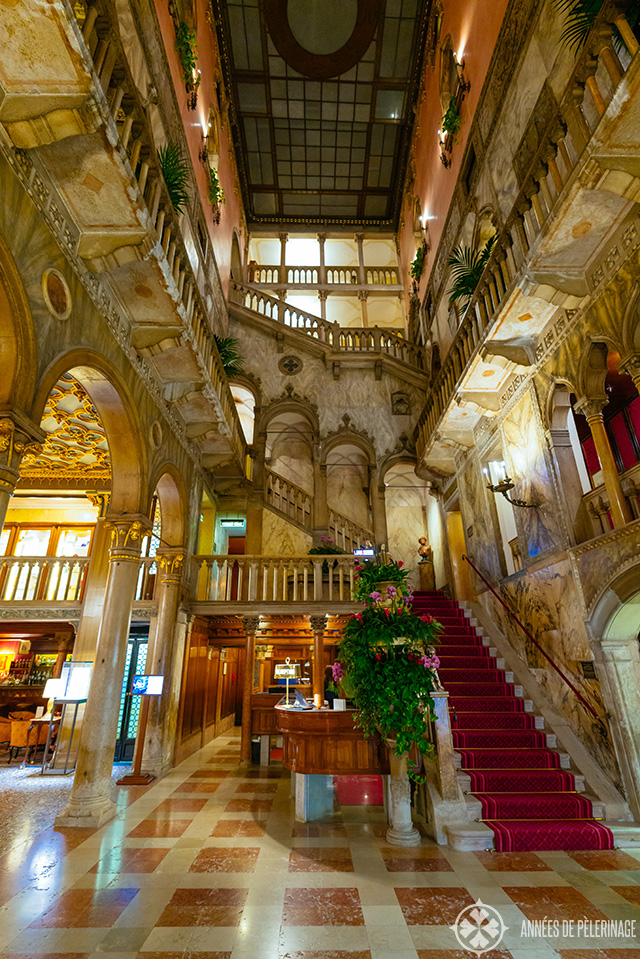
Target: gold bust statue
{"type": "Point", "coordinates": [424, 550]}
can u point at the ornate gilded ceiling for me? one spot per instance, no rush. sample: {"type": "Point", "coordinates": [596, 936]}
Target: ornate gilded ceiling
{"type": "Point", "coordinates": [76, 448]}
{"type": "Point", "coordinates": [321, 104]}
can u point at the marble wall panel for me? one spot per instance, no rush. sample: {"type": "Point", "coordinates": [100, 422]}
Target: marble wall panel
{"type": "Point", "coordinates": [406, 523]}
{"type": "Point", "coordinates": [599, 562]}
{"type": "Point", "coordinates": [437, 540]}
{"type": "Point", "coordinates": [523, 445]}
{"type": "Point", "coordinates": [476, 517]}
{"type": "Point", "coordinates": [280, 538]}
{"type": "Point", "coordinates": [356, 392]}
{"type": "Point", "coordinates": [547, 602]}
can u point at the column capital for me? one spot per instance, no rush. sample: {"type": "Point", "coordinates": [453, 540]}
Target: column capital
{"type": "Point", "coordinates": [363, 294]}
{"type": "Point", "coordinates": [101, 500]}
{"type": "Point", "coordinates": [283, 237]}
{"type": "Point", "coordinates": [322, 295]}
{"type": "Point", "coordinates": [321, 237]}
{"type": "Point", "coordinates": [18, 436]}
{"type": "Point", "coordinates": [631, 364]}
{"type": "Point", "coordinates": [251, 624]}
{"type": "Point", "coordinates": [591, 406]}
{"type": "Point", "coordinates": [318, 623]}
{"type": "Point", "coordinates": [171, 564]}
{"type": "Point", "coordinates": [127, 531]}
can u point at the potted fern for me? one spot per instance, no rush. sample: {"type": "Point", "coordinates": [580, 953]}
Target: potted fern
{"type": "Point", "coordinates": [216, 194]}
{"type": "Point", "coordinates": [188, 53]}
{"type": "Point", "coordinates": [467, 267]}
{"type": "Point", "coordinates": [175, 170]}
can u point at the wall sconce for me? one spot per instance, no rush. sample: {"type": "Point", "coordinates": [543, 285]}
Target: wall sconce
{"type": "Point", "coordinates": [463, 83]}
{"type": "Point", "coordinates": [503, 486]}
{"type": "Point", "coordinates": [192, 91]}
{"type": "Point", "coordinates": [444, 156]}
{"type": "Point", "coordinates": [203, 156]}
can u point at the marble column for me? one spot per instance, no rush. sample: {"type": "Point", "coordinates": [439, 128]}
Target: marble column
{"type": "Point", "coordinates": [161, 661]}
{"type": "Point", "coordinates": [283, 237]}
{"type": "Point", "coordinates": [359, 238]}
{"type": "Point", "coordinates": [322, 272]}
{"type": "Point", "coordinates": [90, 802]}
{"type": "Point", "coordinates": [318, 625]}
{"type": "Point", "coordinates": [363, 296]}
{"type": "Point", "coordinates": [401, 831]}
{"type": "Point", "coordinates": [251, 625]}
{"type": "Point", "coordinates": [379, 513]}
{"type": "Point", "coordinates": [322, 297]}
{"type": "Point", "coordinates": [592, 410]}
{"type": "Point", "coordinates": [18, 436]}
{"type": "Point", "coordinates": [320, 506]}
{"type": "Point", "coordinates": [618, 668]}
{"type": "Point", "coordinates": [445, 753]}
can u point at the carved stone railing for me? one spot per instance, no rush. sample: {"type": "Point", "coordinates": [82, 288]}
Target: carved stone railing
{"type": "Point", "coordinates": [272, 579]}
{"type": "Point", "coordinates": [360, 340]}
{"type": "Point", "coordinates": [596, 501]}
{"type": "Point", "coordinates": [59, 579]}
{"type": "Point", "coordinates": [544, 176]}
{"type": "Point", "coordinates": [287, 498]}
{"type": "Point", "coordinates": [38, 578]}
{"type": "Point", "coordinates": [319, 277]}
{"type": "Point", "coordinates": [165, 238]}
{"type": "Point", "coordinates": [346, 534]}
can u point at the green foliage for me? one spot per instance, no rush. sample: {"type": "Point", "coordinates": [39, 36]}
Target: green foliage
{"type": "Point", "coordinates": [187, 50]}
{"type": "Point", "coordinates": [452, 121]}
{"type": "Point", "coordinates": [581, 16]}
{"type": "Point", "coordinates": [216, 193]}
{"type": "Point", "coordinates": [369, 576]}
{"type": "Point", "coordinates": [388, 661]}
{"type": "Point", "coordinates": [326, 547]}
{"type": "Point", "coordinates": [229, 354]}
{"type": "Point", "coordinates": [417, 264]}
{"type": "Point", "coordinates": [175, 170]}
{"type": "Point", "coordinates": [467, 266]}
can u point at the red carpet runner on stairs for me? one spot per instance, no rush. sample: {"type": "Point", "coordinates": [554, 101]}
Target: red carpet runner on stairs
{"type": "Point", "coordinates": [527, 800]}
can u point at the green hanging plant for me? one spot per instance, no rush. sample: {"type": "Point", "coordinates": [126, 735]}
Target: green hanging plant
{"type": "Point", "coordinates": [581, 16]}
{"type": "Point", "coordinates": [175, 170]}
{"type": "Point", "coordinates": [187, 50]}
{"type": "Point", "coordinates": [452, 120]}
{"type": "Point", "coordinates": [231, 357]}
{"type": "Point", "coordinates": [216, 193]}
{"type": "Point", "coordinates": [417, 264]}
{"type": "Point", "coordinates": [467, 266]}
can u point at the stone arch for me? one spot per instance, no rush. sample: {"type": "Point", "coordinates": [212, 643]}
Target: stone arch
{"type": "Point", "coordinates": [346, 435]}
{"type": "Point", "coordinates": [613, 626]}
{"type": "Point", "coordinates": [170, 489]}
{"type": "Point", "coordinates": [237, 270]}
{"type": "Point", "coordinates": [17, 337]}
{"type": "Point", "coordinates": [119, 416]}
{"type": "Point", "coordinates": [569, 460]}
{"type": "Point", "coordinates": [290, 434]}
{"type": "Point", "coordinates": [291, 403]}
{"type": "Point", "coordinates": [405, 498]}
{"type": "Point", "coordinates": [485, 227]}
{"type": "Point", "coordinates": [631, 323]}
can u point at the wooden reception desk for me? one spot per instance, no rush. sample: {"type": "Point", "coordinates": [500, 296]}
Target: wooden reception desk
{"type": "Point", "coordinates": [326, 742]}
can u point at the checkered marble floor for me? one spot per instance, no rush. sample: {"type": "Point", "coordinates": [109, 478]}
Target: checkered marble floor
{"type": "Point", "coordinates": [209, 863]}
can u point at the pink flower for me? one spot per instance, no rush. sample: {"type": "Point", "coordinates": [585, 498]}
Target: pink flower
{"type": "Point", "coordinates": [391, 591]}
{"type": "Point", "coordinates": [338, 671]}
{"type": "Point", "coordinates": [386, 612]}
{"type": "Point", "coordinates": [359, 616]}
{"type": "Point", "coordinates": [378, 656]}
{"type": "Point", "coordinates": [400, 563]}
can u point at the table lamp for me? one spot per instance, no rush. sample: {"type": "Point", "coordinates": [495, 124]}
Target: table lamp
{"type": "Point", "coordinates": [287, 670]}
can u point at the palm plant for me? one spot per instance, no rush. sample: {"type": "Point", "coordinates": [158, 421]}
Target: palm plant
{"type": "Point", "coordinates": [231, 357]}
{"type": "Point", "coordinates": [175, 170]}
{"type": "Point", "coordinates": [467, 266]}
{"type": "Point", "coordinates": [582, 14]}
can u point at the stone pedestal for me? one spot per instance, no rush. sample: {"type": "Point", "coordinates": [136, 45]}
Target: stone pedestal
{"type": "Point", "coordinates": [427, 575]}
{"type": "Point", "coordinates": [401, 831]}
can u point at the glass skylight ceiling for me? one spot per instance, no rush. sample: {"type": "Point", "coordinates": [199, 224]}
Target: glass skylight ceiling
{"type": "Point", "coordinates": [313, 149]}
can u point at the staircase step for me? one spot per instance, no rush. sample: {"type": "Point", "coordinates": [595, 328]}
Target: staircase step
{"type": "Point", "coordinates": [499, 739]}
{"type": "Point", "coordinates": [535, 805]}
{"type": "Point", "coordinates": [519, 759]}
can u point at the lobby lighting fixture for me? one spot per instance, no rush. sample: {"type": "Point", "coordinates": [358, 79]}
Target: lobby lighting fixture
{"type": "Point", "coordinates": [463, 83]}
{"type": "Point", "coordinates": [232, 523]}
{"type": "Point", "coordinates": [504, 485]}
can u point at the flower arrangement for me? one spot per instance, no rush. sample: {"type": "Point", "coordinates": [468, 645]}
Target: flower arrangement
{"type": "Point", "coordinates": [387, 658]}
{"type": "Point", "coordinates": [325, 547]}
{"type": "Point", "coordinates": [417, 264]}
